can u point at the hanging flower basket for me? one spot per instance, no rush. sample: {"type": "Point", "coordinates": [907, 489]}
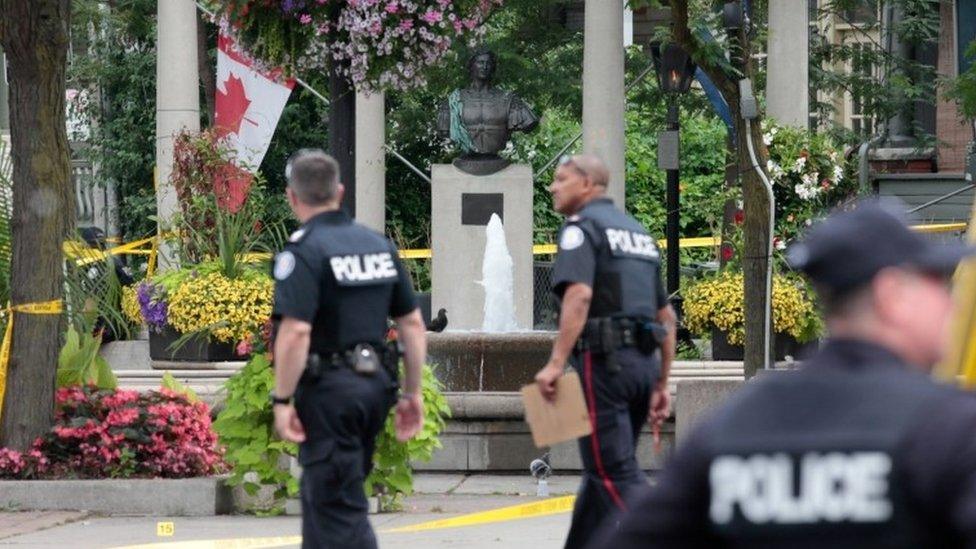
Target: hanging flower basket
{"type": "Point", "coordinates": [376, 44]}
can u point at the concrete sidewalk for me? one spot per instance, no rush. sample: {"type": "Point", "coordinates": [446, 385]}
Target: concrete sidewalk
{"type": "Point", "coordinates": [437, 497]}
{"type": "Point", "coordinates": [475, 485]}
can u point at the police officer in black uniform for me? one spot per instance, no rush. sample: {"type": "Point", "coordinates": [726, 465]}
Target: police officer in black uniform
{"type": "Point", "coordinates": [336, 283]}
{"type": "Point", "coordinates": [859, 448]}
{"type": "Point", "coordinates": [614, 316]}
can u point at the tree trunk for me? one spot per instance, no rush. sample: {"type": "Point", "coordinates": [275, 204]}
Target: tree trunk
{"type": "Point", "coordinates": [342, 134]}
{"type": "Point", "coordinates": [34, 34]}
{"type": "Point", "coordinates": [755, 254]}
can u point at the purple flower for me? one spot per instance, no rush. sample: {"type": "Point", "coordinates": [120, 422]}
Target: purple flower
{"type": "Point", "coordinates": [152, 306]}
{"type": "Point", "coordinates": [290, 6]}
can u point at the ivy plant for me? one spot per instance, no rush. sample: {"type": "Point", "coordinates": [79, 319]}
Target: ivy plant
{"type": "Point", "coordinates": [246, 430]}
{"type": "Point", "coordinates": [392, 475]}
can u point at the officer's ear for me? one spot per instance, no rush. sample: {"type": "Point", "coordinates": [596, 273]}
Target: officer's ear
{"type": "Point", "coordinates": [340, 193]}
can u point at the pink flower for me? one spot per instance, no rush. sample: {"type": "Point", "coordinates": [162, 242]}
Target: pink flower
{"type": "Point", "coordinates": [392, 7]}
{"type": "Point", "coordinates": [305, 19]}
{"type": "Point", "coordinates": [244, 348]}
{"type": "Point", "coordinates": [432, 16]}
{"type": "Point", "coordinates": [406, 24]}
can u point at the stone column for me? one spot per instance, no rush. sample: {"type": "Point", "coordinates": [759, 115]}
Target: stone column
{"type": "Point", "coordinates": [371, 160]}
{"type": "Point", "coordinates": [898, 128]}
{"type": "Point", "coordinates": [787, 81]}
{"type": "Point", "coordinates": [177, 97]}
{"type": "Point", "coordinates": [603, 89]}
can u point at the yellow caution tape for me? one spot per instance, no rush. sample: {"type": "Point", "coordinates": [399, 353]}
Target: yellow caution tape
{"type": "Point", "coordinates": [940, 228]}
{"type": "Point", "coordinates": [552, 506]}
{"type": "Point", "coordinates": [84, 255]}
{"type": "Point", "coordinates": [52, 307]}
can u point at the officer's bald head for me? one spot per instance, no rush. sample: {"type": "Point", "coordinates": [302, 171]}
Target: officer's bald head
{"type": "Point", "coordinates": [593, 167]}
{"type": "Point", "coordinates": [313, 176]}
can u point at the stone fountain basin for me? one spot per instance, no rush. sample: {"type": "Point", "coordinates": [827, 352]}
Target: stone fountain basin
{"type": "Point", "coordinates": [489, 362]}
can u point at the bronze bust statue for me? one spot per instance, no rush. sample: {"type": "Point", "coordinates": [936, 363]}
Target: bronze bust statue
{"type": "Point", "coordinates": [480, 119]}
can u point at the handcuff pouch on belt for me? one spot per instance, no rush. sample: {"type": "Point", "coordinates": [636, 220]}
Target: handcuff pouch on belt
{"type": "Point", "coordinates": [607, 335]}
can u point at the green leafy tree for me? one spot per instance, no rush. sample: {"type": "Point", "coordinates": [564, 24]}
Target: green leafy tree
{"type": "Point", "coordinates": [117, 65]}
{"type": "Point", "coordinates": [963, 88]}
{"type": "Point", "coordinates": [884, 84]}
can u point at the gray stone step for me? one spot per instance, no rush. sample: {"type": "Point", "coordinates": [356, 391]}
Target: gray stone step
{"type": "Point", "coordinates": [127, 355]}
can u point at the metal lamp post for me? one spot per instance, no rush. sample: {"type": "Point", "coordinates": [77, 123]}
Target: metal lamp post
{"type": "Point", "coordinates": [675, 70]}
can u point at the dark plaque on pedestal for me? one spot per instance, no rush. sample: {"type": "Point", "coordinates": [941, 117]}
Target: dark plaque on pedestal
{"type": "Point", "coordinates": [476, 208]}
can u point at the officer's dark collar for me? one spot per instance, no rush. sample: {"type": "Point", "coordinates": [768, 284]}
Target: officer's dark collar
{"type": "Point", "coordinates": [598, 201]}
{"type": "Point", "coordinates": [332, 217]}
{"type": "Point", "coordinates": [851, 352]}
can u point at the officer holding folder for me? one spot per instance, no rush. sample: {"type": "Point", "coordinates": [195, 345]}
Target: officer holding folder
{"type": "Point", "coordinates": [614, 317]}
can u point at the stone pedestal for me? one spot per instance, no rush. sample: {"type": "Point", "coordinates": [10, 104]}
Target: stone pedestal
{"type": "Point", "coordinates": [461, 206]}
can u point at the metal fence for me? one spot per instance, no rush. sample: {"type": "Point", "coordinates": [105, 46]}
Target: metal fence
{"type": "Point", "coordinates": [544, 306]}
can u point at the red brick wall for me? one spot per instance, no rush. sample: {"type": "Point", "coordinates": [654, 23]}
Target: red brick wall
{"type": "Point", "coordinates": [953, 132]}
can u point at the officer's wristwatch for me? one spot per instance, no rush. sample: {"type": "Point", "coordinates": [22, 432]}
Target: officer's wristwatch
{"type": "Point", "coordinates": [276, 400]}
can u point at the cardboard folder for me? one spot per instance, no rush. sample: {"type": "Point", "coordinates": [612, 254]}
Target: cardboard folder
{"type": "Point", "coordinates": [564, 418]}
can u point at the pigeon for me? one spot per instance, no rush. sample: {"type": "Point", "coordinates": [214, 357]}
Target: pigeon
{"type": "Point", "coordinates": [438, 324]}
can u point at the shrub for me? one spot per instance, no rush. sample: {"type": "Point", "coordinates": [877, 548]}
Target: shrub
{"type": "Point", "coordinates": [130, 305]}
{"type": "Point", "coordinates": [203, 300]}
{"type": "Point", "coordinates": [718, 302]}
{"type": "Point", "coordinates": [246, 429]}
{"type": "Point", "coordinates": [235, 308]}
{"type": "Point", "coordinates": [392, 474]}
{"type": "Point", "coordinates": [120, 433]}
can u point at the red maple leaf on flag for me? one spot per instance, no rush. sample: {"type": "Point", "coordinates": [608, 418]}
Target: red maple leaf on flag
{"type": "Point", "coordinates": [230, 107]}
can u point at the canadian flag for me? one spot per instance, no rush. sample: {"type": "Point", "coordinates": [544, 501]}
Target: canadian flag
{"type": "Point", "coordinates": [247, 108]}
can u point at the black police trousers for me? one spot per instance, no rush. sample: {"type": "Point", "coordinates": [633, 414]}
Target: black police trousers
{"type": "Point", "coordinates": [618, 403]}
{"type": "Point", "coordinates": [342, 412]}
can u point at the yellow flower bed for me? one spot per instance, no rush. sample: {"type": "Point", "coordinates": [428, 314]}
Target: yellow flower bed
{"type": "Point", "coordinates": [130, 305]}
{"type": "Point", "coordinates": [719, 301]}
{"type": "Point", "coordinates": [237, 307]}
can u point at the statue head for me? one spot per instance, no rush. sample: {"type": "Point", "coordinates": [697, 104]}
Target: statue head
{"type": "Point", "coordinates": [481, 64]}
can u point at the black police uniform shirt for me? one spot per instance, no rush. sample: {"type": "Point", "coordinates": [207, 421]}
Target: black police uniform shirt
{"type": "Point", "coordinates": [856, 449]}
{"type": "Point", "coordinates": [342, 278]}
{"type": "Point", "coordinates": [609, 251]}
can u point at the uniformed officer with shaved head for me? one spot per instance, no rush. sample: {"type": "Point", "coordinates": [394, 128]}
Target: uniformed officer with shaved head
{"type": "Point", "coordinates": [336, 284]}
{"type": "Point", "coordinates": [859, 448]}
{"type": "Point", "coordinates": [614, 318]}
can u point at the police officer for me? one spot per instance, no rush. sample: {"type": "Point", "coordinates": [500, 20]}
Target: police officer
{"type": "Point", "coordinates": [859, 448]}
{"type": "Point", "coordinates": [614, 316]}
{"type": "Point", "coordinates": [336, 283]}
